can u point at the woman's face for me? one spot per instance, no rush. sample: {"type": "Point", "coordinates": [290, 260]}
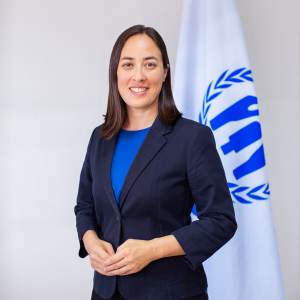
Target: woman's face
{"type": "Point", "coordinates": [140, 72]}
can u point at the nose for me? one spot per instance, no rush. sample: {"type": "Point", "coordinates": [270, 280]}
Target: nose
{"type": "Point", "coordinates": [139, 75]}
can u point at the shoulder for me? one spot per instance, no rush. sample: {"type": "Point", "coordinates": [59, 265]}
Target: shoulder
{"type": "Point", "coordinates": [96, 133]}
{"type": "Point", "coordinates": [95, 137]}
{"type": "Point", "coordinates": [191, 128]}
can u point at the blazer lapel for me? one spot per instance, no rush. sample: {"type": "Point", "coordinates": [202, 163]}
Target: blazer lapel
{"type": "Point", "coordinates": [152, 143]}
{"type": "Point", "coordinates": [107, 153]}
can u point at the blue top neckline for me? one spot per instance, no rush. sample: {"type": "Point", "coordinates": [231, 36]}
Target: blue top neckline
{"type": "Point", "coordinates": [135, 130]}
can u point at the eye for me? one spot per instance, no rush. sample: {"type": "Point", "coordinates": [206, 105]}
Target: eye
{"type": "Point", "coordinates": [127, 65]}
{"type": "Point", "coordinates": [151, 65]}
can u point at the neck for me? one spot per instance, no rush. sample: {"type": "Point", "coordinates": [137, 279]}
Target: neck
{"type": "Point", "coordinates": [137, 119]}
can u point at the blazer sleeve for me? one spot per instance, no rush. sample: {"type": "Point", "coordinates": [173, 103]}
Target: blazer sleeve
{"type": "Point", "coordinates": [211, 195]}
{"type": "Point", "coordinates": [85, 209]}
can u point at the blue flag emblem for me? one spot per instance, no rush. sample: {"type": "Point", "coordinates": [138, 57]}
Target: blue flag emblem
{"type": "Point", "coordinates": [238, 139]}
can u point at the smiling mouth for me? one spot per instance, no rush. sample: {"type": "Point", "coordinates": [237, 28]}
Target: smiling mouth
{"type": "Point", "coordinates": [138, 90]}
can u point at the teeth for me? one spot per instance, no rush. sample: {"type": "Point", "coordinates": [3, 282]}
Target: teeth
{"type": "Point", "coordinates": [138, 90]}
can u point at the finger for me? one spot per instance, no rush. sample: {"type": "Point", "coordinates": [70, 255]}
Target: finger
{"type": "Point", "coordinates": [120, 248]}
{"type": "Point", "coordinates": [114, 259]}
{"type": "Point", "coordinates": [102, 272]}
{"type": "Point", "coordinates": [125, 244]}
{"type": "Point", "coordinates": [97, 267]}
{"type": "Point", "coordinates": [116, 266]}
{"type": "Point", "coordinates": [99, 255]}
{"type": "Point", "coordinates": [121, 271]}
{"type": "Point", "coordinates": [109, 248]}
{"type": "Point", "coordinates": [102, 253]}
{"type": "Point", "coordinates": [100, 269]}
{"type": "Point", "coordinates": [97, 259]}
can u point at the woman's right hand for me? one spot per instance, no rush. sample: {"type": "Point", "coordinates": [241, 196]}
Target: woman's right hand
{"type": "Point", "coordinates": [98, 250]}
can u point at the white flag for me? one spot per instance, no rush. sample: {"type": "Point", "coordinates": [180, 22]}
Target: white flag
{"type": "Point", "coordinates": [213, 85]}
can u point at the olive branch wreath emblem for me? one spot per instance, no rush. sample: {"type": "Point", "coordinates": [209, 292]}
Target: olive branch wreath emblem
{"type": "Point", "coordinates": [224, 82]}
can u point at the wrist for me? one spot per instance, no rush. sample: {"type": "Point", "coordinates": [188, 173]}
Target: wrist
{"type": "Point", "coordinates": [156, 249]}
{"type": "Point", "coordinates": [166, 246]}
{"type": "Point", "coordinates": [88, 239]}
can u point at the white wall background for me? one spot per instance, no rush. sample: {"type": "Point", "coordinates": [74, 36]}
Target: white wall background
{"type": "Point", "coordinates": [54, 59]}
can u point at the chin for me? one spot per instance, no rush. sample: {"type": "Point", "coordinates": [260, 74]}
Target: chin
{"type": "Point", "coordinates": [138, 104]}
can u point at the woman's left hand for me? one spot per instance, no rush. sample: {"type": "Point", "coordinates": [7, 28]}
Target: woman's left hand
{"type": "Point", "coordinates": [130, 257]}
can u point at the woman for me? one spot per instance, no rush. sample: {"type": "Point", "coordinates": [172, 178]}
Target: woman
{"type": "Point", "coordinates": [144, 169]}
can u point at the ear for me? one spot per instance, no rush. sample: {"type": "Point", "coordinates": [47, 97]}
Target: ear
{"type": "Point", "coordinates": [166, 71]}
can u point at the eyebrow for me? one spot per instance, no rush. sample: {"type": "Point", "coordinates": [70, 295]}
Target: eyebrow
{"type": "Point", "coordinates": [146, 58]}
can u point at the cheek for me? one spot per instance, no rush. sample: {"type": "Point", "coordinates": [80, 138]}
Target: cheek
{"type": "Point", "coordinates": [122, 81]}
{"type": "Point", "coordinates": [155, 80]}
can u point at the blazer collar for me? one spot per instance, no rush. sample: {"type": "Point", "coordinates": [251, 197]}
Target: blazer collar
{"type": "Point", "coordinates": [152, 143]}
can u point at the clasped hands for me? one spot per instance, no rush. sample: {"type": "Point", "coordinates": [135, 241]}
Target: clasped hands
{"type": "Point", "coordinates": [130, 257]}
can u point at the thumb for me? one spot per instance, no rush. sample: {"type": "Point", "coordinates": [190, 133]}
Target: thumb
{"type": "Point", "coordinates": [109, 249]}
{"type": "Point", "coordinates": [102, 253]}
{"type": "Point", "coordinates": [121, 247]}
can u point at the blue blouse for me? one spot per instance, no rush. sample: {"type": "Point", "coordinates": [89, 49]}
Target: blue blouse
{"type": "Point", "coordinates": [127, 146]}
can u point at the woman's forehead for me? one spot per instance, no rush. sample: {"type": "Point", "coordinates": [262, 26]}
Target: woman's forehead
{"type": "Point", "coordinates": [140, 45]}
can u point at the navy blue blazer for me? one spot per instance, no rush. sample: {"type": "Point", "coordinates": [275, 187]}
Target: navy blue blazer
{"type": "Point", "coordinates": [176, 166]}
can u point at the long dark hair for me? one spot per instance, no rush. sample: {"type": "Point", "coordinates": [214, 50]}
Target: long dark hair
{"type": "Point", "coordinates": [116, 107]}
